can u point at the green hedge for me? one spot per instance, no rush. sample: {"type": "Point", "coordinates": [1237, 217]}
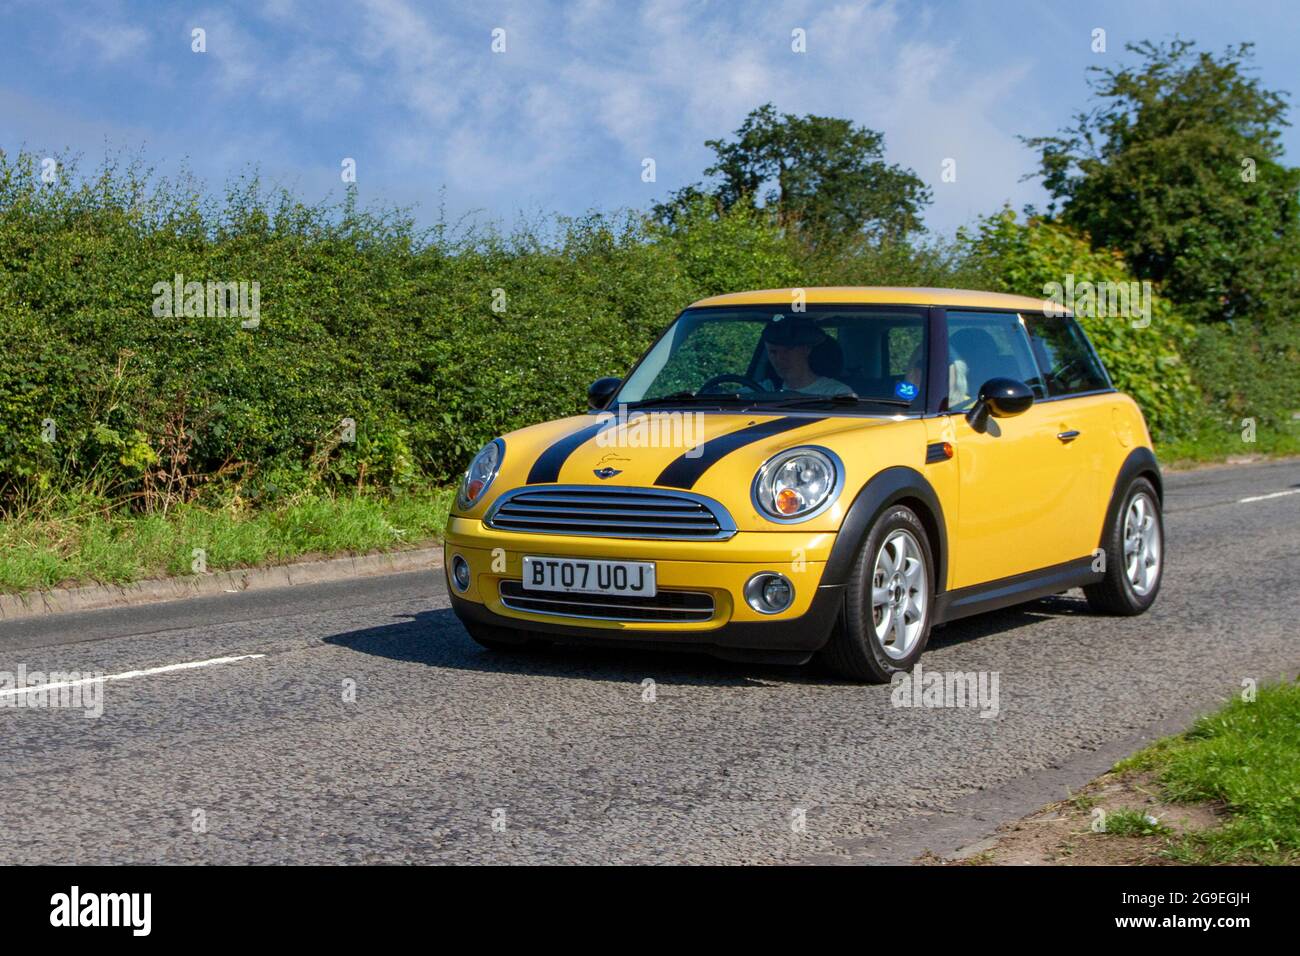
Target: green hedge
{"type": "Point", "coordinates": [365, 317]}
{"type": "Point", "coordinates": [361, 318]}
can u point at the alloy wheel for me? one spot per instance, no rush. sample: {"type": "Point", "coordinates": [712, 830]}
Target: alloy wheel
{"type": "Point", "coordinates": [899, 592]}
{"type": "Point", "coordinates": [1142, 545]}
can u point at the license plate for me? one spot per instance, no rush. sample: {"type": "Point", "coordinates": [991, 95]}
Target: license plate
{"type": "Point", "coordinates": [636, 578]}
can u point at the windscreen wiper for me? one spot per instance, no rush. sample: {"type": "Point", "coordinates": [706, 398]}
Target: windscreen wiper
{"type": "Point", "coordinates": [841, 399]}
{"type": "Point", "coordinates": [688, 396]}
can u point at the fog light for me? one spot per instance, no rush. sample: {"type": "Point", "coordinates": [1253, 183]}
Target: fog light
{"type": "Point", "coordinates": [459, 573]}
{"type": "Point", "coordinates": [769, 593]}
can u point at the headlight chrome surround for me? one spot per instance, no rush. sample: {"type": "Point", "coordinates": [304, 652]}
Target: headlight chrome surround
{"type": "Point", "coordinates": [460, 581]}
{"type": "Point", "coordinates": [756, 592]}
{"type": "Point", "coordinates": [482, 470]}
{"type": "Point", "coordinates": [764, 490]}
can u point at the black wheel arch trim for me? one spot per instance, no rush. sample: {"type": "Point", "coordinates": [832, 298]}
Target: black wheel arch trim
{"type": "Point", "coordinates": [888, 487]}
{"type": "Point", "coordinates": [1140, 463]}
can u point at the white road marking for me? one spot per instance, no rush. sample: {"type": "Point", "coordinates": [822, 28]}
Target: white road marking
{"type": "Point", "coordinates": [1276, 494]}
{"type": "Point", "coordinates": [129, 675]}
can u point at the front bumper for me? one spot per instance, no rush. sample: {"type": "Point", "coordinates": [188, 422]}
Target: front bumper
{"type": "Point", "coordinates": [719, 568]}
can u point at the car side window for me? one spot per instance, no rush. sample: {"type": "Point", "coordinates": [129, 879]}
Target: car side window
{"type": "Point", "coordinates": [985, 345]}
{"type": "Point", "coordinates": [1069, 365]}
{"type": "Point", "coordinates": [904, 345]}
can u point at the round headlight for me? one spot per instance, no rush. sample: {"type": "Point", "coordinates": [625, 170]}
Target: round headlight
{"type": "Point", "coordinates": [797, 484]}
{"type": "Point", "coordinates": [479, 474]}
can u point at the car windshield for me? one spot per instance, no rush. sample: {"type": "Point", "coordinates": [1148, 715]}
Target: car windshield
{"type": "Point", "coordinates": [841, 356]}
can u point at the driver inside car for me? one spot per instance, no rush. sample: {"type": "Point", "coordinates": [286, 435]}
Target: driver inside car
{"type": "Point", "coordinates": [790, 342]}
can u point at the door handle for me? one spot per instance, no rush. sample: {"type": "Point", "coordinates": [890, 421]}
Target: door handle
{"type": "Point", "coordinates": [1069, 436]}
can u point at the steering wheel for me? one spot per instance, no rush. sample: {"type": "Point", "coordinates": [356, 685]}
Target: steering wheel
{"type": "Point", "coordinates": [1059, 373]}
{"type": "Point", "coordinates": [728, 378]}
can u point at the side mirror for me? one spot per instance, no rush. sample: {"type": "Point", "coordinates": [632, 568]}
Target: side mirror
{"type": "Point", "coordinates": [601, 391]}
{"type": "Point", "coordinates": [1001, 398]}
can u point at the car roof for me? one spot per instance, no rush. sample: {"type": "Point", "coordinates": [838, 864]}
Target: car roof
{"type": "Point", "coordinates": [885, 295]}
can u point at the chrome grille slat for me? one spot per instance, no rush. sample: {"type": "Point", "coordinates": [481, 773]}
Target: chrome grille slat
{"type": "Point", "coordinates": [532, 598]}
{"type": "Point", "coordinates": [613, 496]}
{"type": "Point", "coordinates": [528, 508]}
{"type": "Point", "coordinates": [587, 510]}
{"type": "Point", "coordinates": [579, 522]}
{"type": "Point", "coordinates": [666, 606]}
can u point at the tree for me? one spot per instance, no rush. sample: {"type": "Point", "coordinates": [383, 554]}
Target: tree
{"type": "Point", "coordinates": [822, 177]}
{"type": "Point", "coordinates": [1146, 363]}
{"type": "Point", "coordinates": [1178, 167]}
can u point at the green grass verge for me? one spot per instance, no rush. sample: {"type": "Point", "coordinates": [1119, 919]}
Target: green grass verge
{"type": "Point", "coordinates": [62, 543]}
{"type": "Point", "coordinates": [1129, 822]}
{"type": "Point", "coordinates": [1246, 758]}
{"type": "Point", "coordinates": [1212, 446]}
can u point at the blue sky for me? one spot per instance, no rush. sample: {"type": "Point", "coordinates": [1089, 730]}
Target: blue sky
{"type": "Point", "coordinates": [562, 120]}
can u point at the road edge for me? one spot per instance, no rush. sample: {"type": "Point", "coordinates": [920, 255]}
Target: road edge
{"type": "Point", "coordinates": [1185, 467]}
{"type": "Point", "coordinates": [974, 819]}
{"type": "Point", "coordinates": [94, 597]}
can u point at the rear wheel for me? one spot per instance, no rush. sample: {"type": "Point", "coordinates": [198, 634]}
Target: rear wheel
{"type": "Point", "coordinates": [887, 604]}
{"type": "Point", "coordinates": [1134, 554]}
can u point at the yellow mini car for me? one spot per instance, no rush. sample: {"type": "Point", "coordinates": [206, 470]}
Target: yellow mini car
{"type": "Point", "coordinates": [823, 471]}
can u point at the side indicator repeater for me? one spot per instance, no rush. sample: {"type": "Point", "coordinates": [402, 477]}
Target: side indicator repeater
{"type": "Point", "coordinates": [938, 451]}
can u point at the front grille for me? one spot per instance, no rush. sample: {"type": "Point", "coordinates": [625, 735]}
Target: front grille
{"type": "Point", "coordinates": [610, 513]}
{"type": "Point", "coordinates": [666, 606]}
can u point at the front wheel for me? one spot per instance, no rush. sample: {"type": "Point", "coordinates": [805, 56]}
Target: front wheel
{"type": "Point", "coordinates": [887, 604]}
{"type": "Point", "coordinates": [1134, 555]}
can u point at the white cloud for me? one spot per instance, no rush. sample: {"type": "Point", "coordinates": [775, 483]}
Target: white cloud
{"type": "Point", "coordinates": [236, 53]}
{"type": "Point", "coordinates": [108, 41]}
{"type": "Point", "coordinates": [310, 77]}
{"type": "Point", "coordinates": [584, 91]}
{"type": "Point", "coordinates": [427, 72]}
{"type": "Point", "coordinates": [852, 31]}
{"type": "Point", "coordinates": [602, 87]}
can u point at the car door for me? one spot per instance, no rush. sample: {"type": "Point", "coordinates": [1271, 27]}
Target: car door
{"type": "Point", "coordinates": [1016, 478]}
{"type": "Point", "coordinates": [1080, 399]}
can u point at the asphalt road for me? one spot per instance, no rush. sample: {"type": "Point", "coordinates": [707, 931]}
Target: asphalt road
{"type": "Point", "coordinates": [450, 753]}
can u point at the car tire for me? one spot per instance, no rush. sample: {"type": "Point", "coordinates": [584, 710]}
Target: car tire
{"type": "Point", "coordinates": [496, 638]}
{"type": "Point", "coordinates": [894, 569]}
{"type": "Point", "coordinates": [1134, 554]}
